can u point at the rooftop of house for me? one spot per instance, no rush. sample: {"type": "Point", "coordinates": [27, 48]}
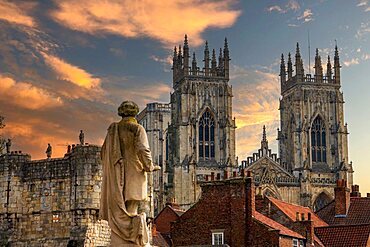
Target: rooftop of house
{"type": "Point", "coordinates": [291, 211]}
{"type": "Point", "coordinates": [345, 235]}
{"type": "Point", "coordinates": [358, 212]}
{"type": "Point", "coordinates": [276, 226]}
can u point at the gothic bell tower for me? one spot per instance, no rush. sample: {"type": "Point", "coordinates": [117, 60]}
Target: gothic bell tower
{"type": "Point", "coordinates": [201, 136]}
{"type": "Point", "coordinates": [313, 135]}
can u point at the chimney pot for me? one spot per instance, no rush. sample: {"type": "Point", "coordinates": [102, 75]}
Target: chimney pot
{"type": "Point", "coordinates": [226, 174]}
{"type": "Point", "coordinates": [207, 178]}
{"type": "Point", "coordinates": [234, 174]}
{"type": "Point", "coordinates": [218, 177]}
{"type": "Point", "coordinates": [297, 216]}
{"type": "Point", "coordinates": [242, 174]}
{"type": "Point", "coordinates": [249, 174]}
{"type": "Point", "coordinates": [302, 216]}
{"type": "Point", "coordinates": [368, 194]}
{"type": "Point", "coordinates": [212, 176]}
{"type": "Point", "coordinates": [309, 216]}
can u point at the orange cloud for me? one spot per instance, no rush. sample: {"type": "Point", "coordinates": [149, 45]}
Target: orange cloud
{"type": "Point", "coordinates": [26, 95]}
{"type": "Point", "coordinates": [16, 14]}
{"type": "Point", "coordinates": [166, 21]}
{"type": "Point", "coordinates": [256, 102]}
{"type": "Point", "coordinates": [71, 73]}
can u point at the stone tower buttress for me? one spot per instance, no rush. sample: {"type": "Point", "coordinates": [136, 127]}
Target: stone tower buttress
{"type": "Point", "coordinates": [313, 133]}
{"type": "Point", "coordinates": [202, 130]}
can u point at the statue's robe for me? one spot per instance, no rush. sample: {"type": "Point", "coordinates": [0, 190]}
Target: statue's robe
{"type": "Point", "coordinates": [126, 158]}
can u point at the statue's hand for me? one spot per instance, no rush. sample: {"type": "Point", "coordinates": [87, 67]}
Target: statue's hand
{"type": "Point", "coordinates": [156, 168]}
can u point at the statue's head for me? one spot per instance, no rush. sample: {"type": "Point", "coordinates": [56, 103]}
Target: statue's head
{"type": "Point", "coordinates": [128, 109]}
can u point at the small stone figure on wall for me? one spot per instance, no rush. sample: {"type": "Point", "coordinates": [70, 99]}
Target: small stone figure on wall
{"type": "Point", "coordinates": [82, 137]}
{"type": "Point", "coordinates": [8, 145]}
{"type": "Point", "coordinates": [126, 160]}
{"type": "Point", "coordinates": [49, 151]}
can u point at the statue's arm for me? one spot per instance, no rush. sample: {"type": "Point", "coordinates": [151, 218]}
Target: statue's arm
{"type": "Point", "coordinates": [144, 153]}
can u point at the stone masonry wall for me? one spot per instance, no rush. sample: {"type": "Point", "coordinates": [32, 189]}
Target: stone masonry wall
{"type": "Point", "coordinates": [52, 202]}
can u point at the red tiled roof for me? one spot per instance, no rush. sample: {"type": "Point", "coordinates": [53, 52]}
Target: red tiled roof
{"type": "Point", "coordinates": [291, 210]}
{"type": "Point", "coordinates": [358, 212]}
{"type": "Point", "coordinates": [346, 235]}
{"type": "Point", "coordinates": [277, 226]}
{"type": "Point", "coordinates": [158, 240]}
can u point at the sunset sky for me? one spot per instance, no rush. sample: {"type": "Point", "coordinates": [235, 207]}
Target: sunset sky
{"type": "Point", "coordinates": [66, 65]}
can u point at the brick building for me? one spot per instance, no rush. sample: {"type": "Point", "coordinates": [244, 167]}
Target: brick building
{"type": "Point", "coordinates": [164, 219]}
{"type": "Point", "coordinates": [348, 217]}
{"type": "Point", "coordinates": [226, 214]}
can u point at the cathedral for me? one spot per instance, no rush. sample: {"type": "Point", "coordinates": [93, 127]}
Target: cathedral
{"type": "Point", "coordinates": [200, 137]}
{"type": "Point", "coordinates": [313, 137]}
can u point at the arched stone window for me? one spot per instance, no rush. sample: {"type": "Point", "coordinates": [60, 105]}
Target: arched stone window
{"type": "Point", "coordinates": [318, 140]}
{"type": "Point", "coordinates": [321, 201]}
{"type": "Point", "coordinates": [207, 136]}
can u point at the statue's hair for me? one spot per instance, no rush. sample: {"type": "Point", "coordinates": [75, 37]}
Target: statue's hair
{"type": "Point", "coordinates": [128, 109]}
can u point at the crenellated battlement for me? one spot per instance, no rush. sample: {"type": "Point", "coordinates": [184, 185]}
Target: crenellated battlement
{"type": "Point", "coordinates": [55, 200]}
{"type": "Point", "coordinates": [212, 69]}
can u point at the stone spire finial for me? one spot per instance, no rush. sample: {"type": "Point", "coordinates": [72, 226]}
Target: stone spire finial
{"type": "Point", "coordinates": [290, 67]}
{"type": "Point", "coordinates": [206, 59]}
{"type": "Point", "coordinates": [336, 66]}
{"type": "Point", "coordinates": [226, 48]}
{"type": "Point", "coordinates": [179, 57]}
{"type": "Point", "coordinates": [226, 59]}
{"type": "Point", "coordinates": [194, 65]}
{"type": "Point", "coordinates": [213, 62]}
{"type": "Point", "coordinates": [186, 41]}
{"type": "Point", "coordinates": [220, 60]}
{"type": "Point", "coordinates": [318, 67]}
{"type": "Point", "coordinates": [186, 55]}
{"type": "Point", "coordinates": [299, 65]}
{"type": "Point", "coordinates": [329, 72]}
{"type": "Point", "coordinates": [264, 142]}
{"type": "Point", "coordinates": [282, 70]}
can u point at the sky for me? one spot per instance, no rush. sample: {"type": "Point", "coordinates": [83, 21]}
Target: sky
{"type": "Point", "coordinates": [66, 65]}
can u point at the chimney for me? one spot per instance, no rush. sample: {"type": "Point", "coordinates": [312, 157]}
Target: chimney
{"type": "Point", "coordinates": [218, 176]}
{"type": "Point", "coordinates": [226, 174]}
{"type": "Point", "coordinates": [342, 198]}
{"type": "Point", "coordinates": [250, 206]}
{"type": "Point", "coordinates": [212, 176]}
{"type": "Point", "coordinates": [355, 191]}
{"type": "Point", "coordinates": [368, 195]}
{"type": "Point", "coordinates": [154, 230]}
{"type": "Point", "coordinates": [309, 229]}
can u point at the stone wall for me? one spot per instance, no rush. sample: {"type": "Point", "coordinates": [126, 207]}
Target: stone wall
{"type": "Point", "coordinates": [52, 202]}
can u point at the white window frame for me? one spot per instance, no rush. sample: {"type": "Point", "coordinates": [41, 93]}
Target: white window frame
{"type": "Point", "coordinates": [297, 242]}
{"type": "Point", "coordinates": [216, 234]}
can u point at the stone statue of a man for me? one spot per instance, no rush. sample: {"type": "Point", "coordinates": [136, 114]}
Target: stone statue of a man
{"type": "Point", "coordinates": [126, 160]}
{"type": "Point", "coordinates": [82, 137]}
{"type": "Point", "coordinates": [49, 151]}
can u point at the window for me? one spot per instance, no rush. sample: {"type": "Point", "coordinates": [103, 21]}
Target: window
{"type": "Point", "coordinates": [55, 218]}
{"type": "Point", "coordinates": [217, 238]}
{"type": "Point", "coordinates": [318, 140]}
{"type": "Point", "coordinates": [297, 243]}
{"type": "Point", "coordinates": [206, 136]}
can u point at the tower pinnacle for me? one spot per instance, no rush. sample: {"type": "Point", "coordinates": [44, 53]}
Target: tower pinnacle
{"type": "Point", "coordinates": [318, 67]}
{"type": "Point", "coordinates": [290, 67]}
{"type": "Point", "coordinates": [264, 142]}
{"type": "Point", "coordinates": [336, 66]}
{"type": "Point", "coordinates": [206, 59]}
{"type": "Point", "coordinates": [329, 71]}
{"type": "Point", "coordinates": [282, 70]}
{"type": "Point", "coordinates": [299, 65]}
